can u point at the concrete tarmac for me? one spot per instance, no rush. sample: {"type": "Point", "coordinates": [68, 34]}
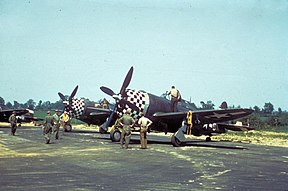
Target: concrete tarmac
{"type": "Point", "coordinates": [90, 161]}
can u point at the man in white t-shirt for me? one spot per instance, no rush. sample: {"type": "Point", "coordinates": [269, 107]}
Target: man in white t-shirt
{"type": "Point", "coordinates": [144, 123]}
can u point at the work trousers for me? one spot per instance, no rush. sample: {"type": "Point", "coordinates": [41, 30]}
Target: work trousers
{"type": "Point", "coordinates": [56, 130]}
{"type": "Point", "coordinates": [47, 131]}
{"type": "Point", "coordinates": [143, 138]}
{"type": "Point", "coordinates": [174, 102]}
{"type": "Point", "coordinates": [125, 135]}
{"type": "Point", "coordinates": [13, 128]}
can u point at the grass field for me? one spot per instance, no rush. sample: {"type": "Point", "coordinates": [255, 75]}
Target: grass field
{"type": "Point", "coordinates": [42, 114]}
{"type": "Point", "coordinates": [277, 136]}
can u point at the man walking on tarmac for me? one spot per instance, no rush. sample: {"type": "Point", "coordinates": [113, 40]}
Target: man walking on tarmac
{"type": "Point", "coordinates": [13, 123]}
{"type": "Point", "coordinates": [144, 123]}
{"type": "Point", "coordinates": [127, 122]}
{"type": "Point", "coordinates": [64, 118]}
{"type": "Point", "coordinates": [57, 124]}
{"type": "Point", "coordinates": [48, 124]}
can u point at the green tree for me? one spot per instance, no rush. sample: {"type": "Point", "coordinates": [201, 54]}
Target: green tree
{"type": "Point", "coordinates": [257, 109]}
{"type": "Point", "coordinates": [16, 105]}
{"type": "Point", "coordinates": [268, 108]}
{"type": "Point", "coordinates": [279, 111]}
{"type": "Point", "coordinates": [30, 104]}
{"type": "Point", "coordinates": [58, 105]}
{"type": "Point", "coordinates": [2, 101]}
{"type": "Point", "coordinates": [39, 105]}
{"type": "Point", "coordinates": [46, 105]}
{"type": "Point", "coordinates": [9, 105]}
{"type": "Point", "coordinates": [208, 105]}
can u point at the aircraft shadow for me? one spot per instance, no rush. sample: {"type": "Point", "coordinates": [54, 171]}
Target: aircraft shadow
{"type": "Point", "coordinates": [192, 143]}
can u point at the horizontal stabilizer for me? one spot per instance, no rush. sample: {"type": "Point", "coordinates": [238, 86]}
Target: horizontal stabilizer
{"type": "Point", "coordinates": [235, 127]}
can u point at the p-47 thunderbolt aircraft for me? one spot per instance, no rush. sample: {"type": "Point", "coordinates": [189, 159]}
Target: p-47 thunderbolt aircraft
{"type": "Point", "coordinates": [77, 108]}
{"type": "Point", "coordinates": [187, 120]}
{"type": "Point", "coordinates": [22, 115]}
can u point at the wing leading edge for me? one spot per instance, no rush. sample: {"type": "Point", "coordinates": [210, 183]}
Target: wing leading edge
{"type": "Point", "coordinates": [206, 116]}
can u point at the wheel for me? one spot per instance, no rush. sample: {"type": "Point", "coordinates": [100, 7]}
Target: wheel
{"type": "Point", "coordinates": [175, 141]}
{"type": "Point", "coordinates": [68, 128]}
{"type": "Point", "coordinates": [115, 135]}
{"type": "Point", "coordinates": [208, 139]}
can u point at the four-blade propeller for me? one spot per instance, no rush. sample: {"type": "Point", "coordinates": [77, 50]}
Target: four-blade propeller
{"type": "Point", "coordinates": [120, 101]}
{"type": "Point", "coordinates": [68, 102]}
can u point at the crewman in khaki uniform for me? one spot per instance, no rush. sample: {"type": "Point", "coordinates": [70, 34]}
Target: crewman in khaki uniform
{"type": "Point", "coordinates": [144, 123]}
{"type": "Point", "coordinates": [175, 98]}
{"type": "Point", "coordinates": [13, 123]}
{"type": "Point", "coordinates": [127, 122]}
{"type": "Point", "coordinates": [56, 126]}
{"type": "Point", "coordinates": [48, 125]}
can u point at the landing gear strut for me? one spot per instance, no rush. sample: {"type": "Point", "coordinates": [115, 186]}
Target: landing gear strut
{"type": "Point", "coordinates": [178, 138]}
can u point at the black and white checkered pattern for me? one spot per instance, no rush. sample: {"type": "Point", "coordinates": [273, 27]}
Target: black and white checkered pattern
{"type": "Point", "coordinates": [78, 106]}
{"type": "Point", "coordinates": [138, 98]}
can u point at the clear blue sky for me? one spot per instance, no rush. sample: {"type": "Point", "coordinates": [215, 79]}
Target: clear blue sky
{"type": "Point", "coordinates": [210, 50]}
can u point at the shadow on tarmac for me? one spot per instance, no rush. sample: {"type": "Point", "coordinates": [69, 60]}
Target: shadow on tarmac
{"type": "Point", "coordinates": [194, 143]}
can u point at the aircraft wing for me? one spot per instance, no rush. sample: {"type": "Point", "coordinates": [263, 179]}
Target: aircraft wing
{"type": "Point", "coordinates": [99, 112]}
{"type": "Point", "coordinates": [5, 113]}
{"type": "Point", "coordinates": [206, 116]}
{"type": "Point", "coordinates": [18, 111]}
{"type": "Point", "coordinates": [235, 127]}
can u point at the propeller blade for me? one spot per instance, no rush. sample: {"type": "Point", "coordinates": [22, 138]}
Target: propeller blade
{"type": "Point", "coordinates": [131, 105]}
{"type": "Point", "coordinates": [107, 90]}
{"type": "Point", "coordinates": [126, 81]}
{"type": "Point", "coordinates": [62, 96]}
{"type": "Point", "coordinates": [73, 93]}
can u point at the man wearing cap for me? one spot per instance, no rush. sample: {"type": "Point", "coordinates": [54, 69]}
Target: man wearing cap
{"type": "Point", "coordinates": [144, 123]}
{"type": "Point", "coordinates": [127, 122]}
{"type": "Point", "coordinates": [48, 124]}
{"type": "Point", "coordinates": [13, 123]}
{"type": "Point", "coordinates": [57, 124]}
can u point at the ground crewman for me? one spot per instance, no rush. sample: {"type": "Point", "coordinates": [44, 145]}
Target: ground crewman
{"type": "Point", "coordinates": [144, 123]}
{"type": "Point", "coordinates": [48, 125]}
{"type": "Point", "coordinates": [127, 122]}
{"type": "Point", "coordinates": [104, 104]}
{"type": "Point", "coordinates": [64, 118]}
{"type": "Point", "coordinates": [56, 126]}
{"type": "Point", "coordinates": [13, 123]}
{"type": "Point", "coordinates": [175, 98]}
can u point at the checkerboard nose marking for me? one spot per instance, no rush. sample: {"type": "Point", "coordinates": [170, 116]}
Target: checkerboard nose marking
{"type": "Point", "coordinates": [78, 106]}
{"type": "Point", "coordinates": [138, 98]}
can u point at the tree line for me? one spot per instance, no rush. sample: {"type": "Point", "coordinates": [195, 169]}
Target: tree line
{"type": "Point", "coordinates": [268, 108]}
{"type": "Point", "coordinates": [263, 117]}
{"type": "Point", "coordinates": [41, 105]}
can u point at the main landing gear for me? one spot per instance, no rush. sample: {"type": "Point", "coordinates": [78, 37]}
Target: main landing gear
{"type": "Point", "coordinates": [178, 138]}
{"type": "Point", "coordinates": [115, 135]}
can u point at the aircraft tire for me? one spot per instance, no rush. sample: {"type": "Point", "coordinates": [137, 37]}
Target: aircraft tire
{"type": "Point", "coordinates": [115, 135]}
{"type": "Point", "coordinates": [68, 128]}
{"type": "Point", "coordinates": [208, 139]}
{"type": "Point", "coordinates": [175, 141]}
